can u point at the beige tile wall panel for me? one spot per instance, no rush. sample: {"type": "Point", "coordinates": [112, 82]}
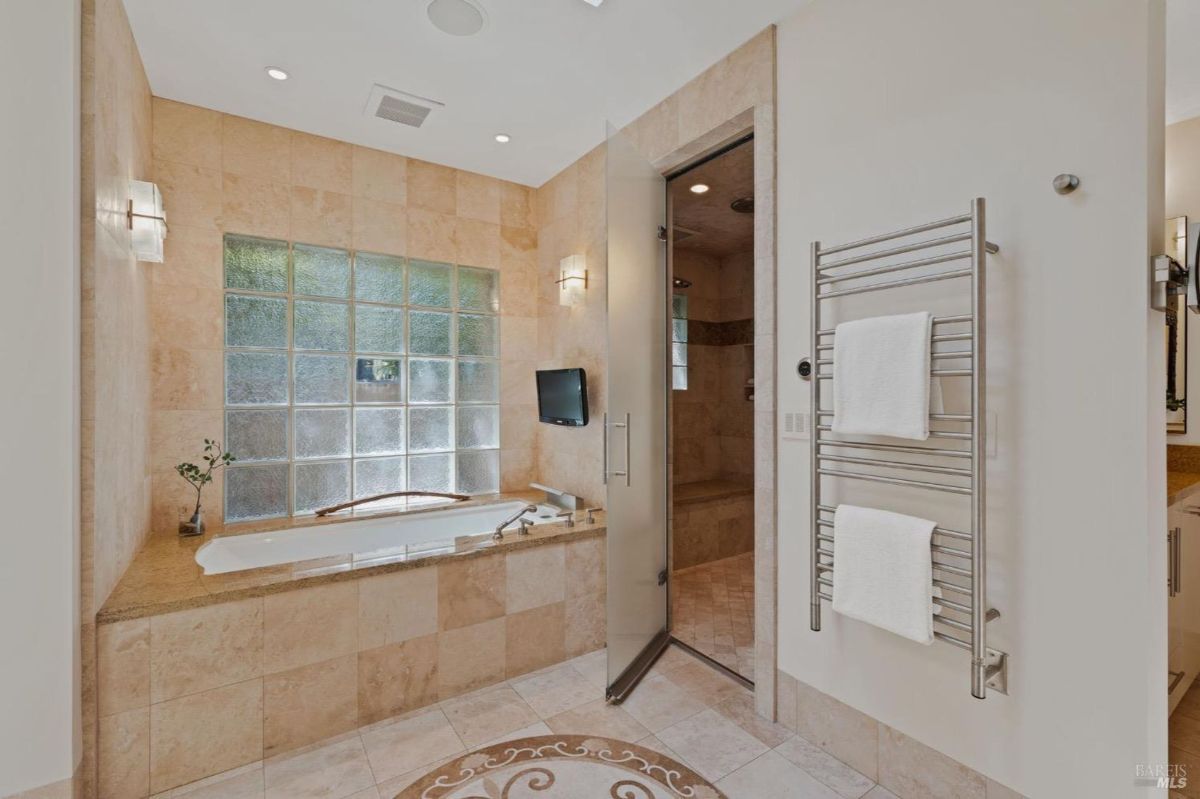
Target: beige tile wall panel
{"type": "Point", "coordinates": [221, 173]}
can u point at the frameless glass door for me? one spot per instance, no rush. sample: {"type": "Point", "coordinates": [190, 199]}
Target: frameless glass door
{"type": "Point", "coordinates": [636, 422]}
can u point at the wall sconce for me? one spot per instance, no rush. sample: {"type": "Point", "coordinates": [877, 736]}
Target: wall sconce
{"type": "Point", "coordinates": [147, 221]}
{"type": "Point", "coordinates": [573, 279]}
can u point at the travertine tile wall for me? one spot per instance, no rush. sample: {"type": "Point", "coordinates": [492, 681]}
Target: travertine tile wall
{"type": "Point", "coordinates": [571, 220]}
{"type": "Point", "coordinates": [901, 764]}
{"type": "Point", "coordinates": [189, 694]}
{"type": "Point", "coordinates": [712, 422]}
{"type": "Point", "coordinates": [221, 173]}
{"type": "Point", "coordinates": [695, 413]}
{"type": "Point", "coordinates": [115, 144]}
{"type": "Point", "coordinates": [707, 530]}
{"type": "Point", "coordinates": [115, 360]}
{"type": "Point", "coordinates": [735, 428]}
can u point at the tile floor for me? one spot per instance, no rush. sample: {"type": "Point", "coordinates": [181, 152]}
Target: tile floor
{"type": "Point", "coordinates": [683, 708]}
{"type": "Point", "coordinates": [1184, 740]}
{"type": "Point", "coordinates": [712, 607]}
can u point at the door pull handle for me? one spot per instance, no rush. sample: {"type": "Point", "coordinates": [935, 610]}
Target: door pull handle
{"type": "Point", "coordinates": [625, 426]}
{"type": "Point", "coordinates": [604, 449]}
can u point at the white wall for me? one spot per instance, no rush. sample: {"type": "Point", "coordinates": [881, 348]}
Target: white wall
{"type": "Point", "coordinates": [39, 358]}
{"type": "Point", "coordinates": [893, 114]}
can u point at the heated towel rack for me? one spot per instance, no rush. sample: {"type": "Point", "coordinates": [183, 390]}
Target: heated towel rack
{"type": "Point", "coordinates": [952, 461]}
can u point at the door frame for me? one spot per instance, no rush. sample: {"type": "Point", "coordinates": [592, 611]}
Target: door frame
{"type": "Point", "coordinates": [757, 121]}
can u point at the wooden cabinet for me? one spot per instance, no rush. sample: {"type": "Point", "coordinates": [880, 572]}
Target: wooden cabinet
{"type": "Point", "coordinates": [1183, 602]}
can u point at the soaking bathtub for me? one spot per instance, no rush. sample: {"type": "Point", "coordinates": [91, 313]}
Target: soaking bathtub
{"type": "Point", "coordinates": [424, 532]}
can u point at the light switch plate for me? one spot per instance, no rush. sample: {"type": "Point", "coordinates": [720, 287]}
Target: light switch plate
{"type": "Point", "coordinates": [796, 426]}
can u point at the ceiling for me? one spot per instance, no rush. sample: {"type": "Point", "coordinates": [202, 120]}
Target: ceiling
{"type": "Point", "coordinates": [705, 223]}
{"type": "Point", "coordinates": [1183, 60]}
{"type": "Point", "coordinates": [547, 72]}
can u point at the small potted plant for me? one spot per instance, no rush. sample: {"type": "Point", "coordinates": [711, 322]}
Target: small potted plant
{"type": "Point", "coordinates": [199, 476]}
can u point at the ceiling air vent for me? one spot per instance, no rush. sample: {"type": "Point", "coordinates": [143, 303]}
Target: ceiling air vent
{"type": "Point", "coordinates": [397, 106]}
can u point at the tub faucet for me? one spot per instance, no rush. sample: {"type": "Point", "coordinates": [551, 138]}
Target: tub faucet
{"type": "Point", "coordinates": [518, 516]}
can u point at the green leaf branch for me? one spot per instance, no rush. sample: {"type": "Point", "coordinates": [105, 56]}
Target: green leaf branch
{"type": "Point", "coordinates": [199, 476]}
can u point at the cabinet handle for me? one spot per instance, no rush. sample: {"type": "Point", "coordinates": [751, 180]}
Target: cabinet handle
{"type": "Point", "coordinates": [1178, 559]}
{"type": "Point", "coordinates": [1172, 558]}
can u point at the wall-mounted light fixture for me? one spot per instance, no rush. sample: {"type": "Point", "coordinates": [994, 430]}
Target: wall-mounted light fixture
{"type": "Point", "coordinates": [147, 221]}
{"type": "Point", "coordinates": [573, 279]}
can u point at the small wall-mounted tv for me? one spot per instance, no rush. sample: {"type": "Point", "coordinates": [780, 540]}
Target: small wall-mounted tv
{"type": "Point", "coordinates": [562, 396]}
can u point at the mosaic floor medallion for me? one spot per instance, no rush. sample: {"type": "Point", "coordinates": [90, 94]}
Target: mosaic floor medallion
{"type": "Point", "coordinates": [562, 767]}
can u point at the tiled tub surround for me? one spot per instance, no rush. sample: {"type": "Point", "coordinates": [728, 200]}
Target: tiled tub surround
{"type": "Point", "coordinates": [202, 674]}
{"type": "Point", "coordinates": [225, 174]}
{"type": "Point", "coordinates": [713, 519]}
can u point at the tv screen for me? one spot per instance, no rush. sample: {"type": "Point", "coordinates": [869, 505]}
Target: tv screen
{"type": "Point", "coordinates": [562, 396]}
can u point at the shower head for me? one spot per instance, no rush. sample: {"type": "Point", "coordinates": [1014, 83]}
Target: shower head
{"type": "Point", "coordinates": [682, 283]}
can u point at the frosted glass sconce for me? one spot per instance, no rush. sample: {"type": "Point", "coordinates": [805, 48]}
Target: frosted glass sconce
{"type": "Point", "coordinates": [147, 221]}
{"type": "Point", "coordinates": [573, 279]}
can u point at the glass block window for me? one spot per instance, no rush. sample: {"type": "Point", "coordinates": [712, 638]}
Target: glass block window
{"type": "Point", "coordinates": [350, 374]}
{"type": "Point", "coordinates": [679, 373]}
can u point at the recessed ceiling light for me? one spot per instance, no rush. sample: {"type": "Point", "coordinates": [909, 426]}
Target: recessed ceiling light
{"type": "Point", "coordinates": [277, 73]}
{"type": "Point", "coordinates": [456, 17]}
{"type": "Point", "coordinates": [699, 188]}
{"type": "Point", "coordinates": [503, 138]}
{"type": "Point", "coordinates": [595, 3]}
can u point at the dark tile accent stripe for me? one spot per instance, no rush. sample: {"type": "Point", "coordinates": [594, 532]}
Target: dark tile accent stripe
{"type": "Point", "coordinates": [720, 334]}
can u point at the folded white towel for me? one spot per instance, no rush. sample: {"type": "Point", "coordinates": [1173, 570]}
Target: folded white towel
{"type": "Point", "coordinates": [881, 373]}
{"type": "Point", "coordinates": [936, 402]}
{"type": "Point", "coordinates": [883, 570]}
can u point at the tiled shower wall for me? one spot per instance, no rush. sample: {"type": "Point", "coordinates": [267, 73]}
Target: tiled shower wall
{"type": "Point", "coordinates": [713, 430]}
{"type": "Point", "coordinates": [221, 173]}
{"type": "Point", "coordinates": [735, 427]}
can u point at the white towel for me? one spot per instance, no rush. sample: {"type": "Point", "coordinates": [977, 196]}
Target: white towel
{"type": "Point", "coordinates": [883, 570]}
{"type": "Point", "coordinates": [881, 373]}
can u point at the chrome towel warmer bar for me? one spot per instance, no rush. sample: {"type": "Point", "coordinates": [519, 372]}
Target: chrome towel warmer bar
{"type": "Point", "coordinates": [954, 463]}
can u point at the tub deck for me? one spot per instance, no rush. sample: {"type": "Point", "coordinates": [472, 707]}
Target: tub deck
{"type": "Point", "coordinates": [164, 576]}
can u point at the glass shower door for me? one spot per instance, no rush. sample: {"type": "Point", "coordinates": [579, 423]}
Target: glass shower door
{"type": "Point", "coordinates": [636, 422]}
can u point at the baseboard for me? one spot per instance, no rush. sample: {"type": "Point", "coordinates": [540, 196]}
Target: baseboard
{"type": "Point", "coordinates": [898, 762]}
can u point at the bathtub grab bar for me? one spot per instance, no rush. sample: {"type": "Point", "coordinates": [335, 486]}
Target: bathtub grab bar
{"type": "Point", "coordinates": [364, 500]}
{"type": "Point", "coordinates": [988, 666]}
